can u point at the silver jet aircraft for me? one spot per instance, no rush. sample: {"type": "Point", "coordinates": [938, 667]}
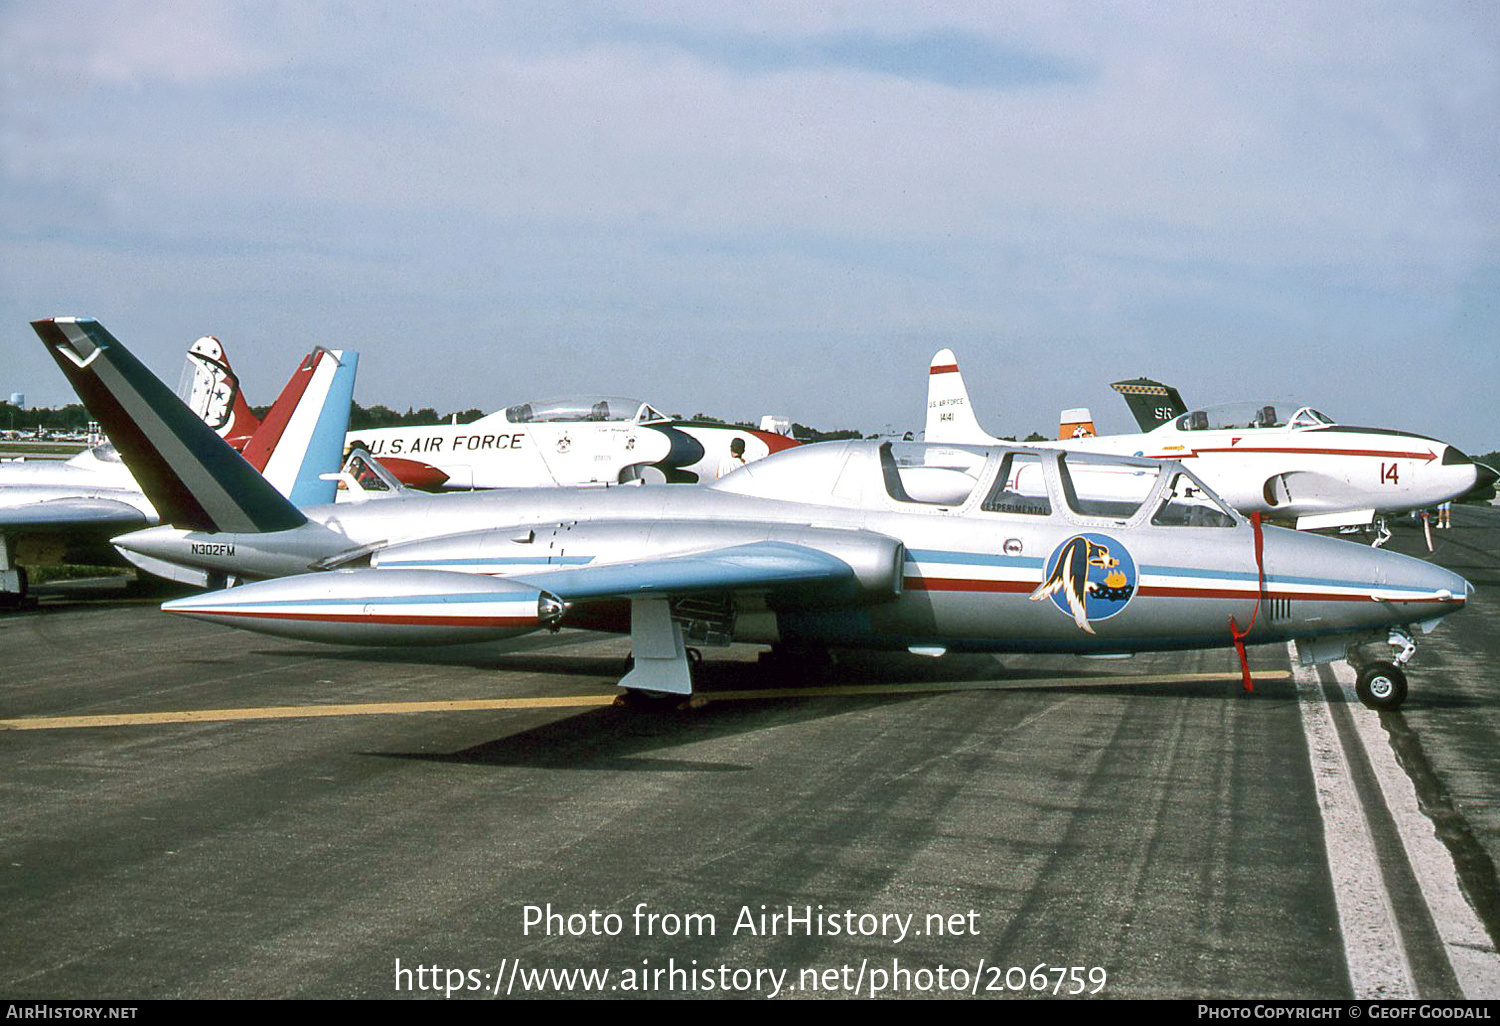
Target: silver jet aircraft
{"type": "Point", "coordinates": [929, 548]}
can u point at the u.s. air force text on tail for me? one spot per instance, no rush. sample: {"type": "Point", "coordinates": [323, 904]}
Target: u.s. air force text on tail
{"type": "Point", "coordinates": [750, 921]}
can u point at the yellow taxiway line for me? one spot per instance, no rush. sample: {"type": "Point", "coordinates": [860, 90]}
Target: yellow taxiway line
{"type": "Point", "coordinates": [299, 712]}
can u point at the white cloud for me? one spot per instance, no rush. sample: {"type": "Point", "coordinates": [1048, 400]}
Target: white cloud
{"type": "Point", "coordinates": [1206, 178]}
{"type": "Point", "coordinates": [121, 43]}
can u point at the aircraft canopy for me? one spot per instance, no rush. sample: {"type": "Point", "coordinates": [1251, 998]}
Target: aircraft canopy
{"type": "Point", "coordinates": [591, 409]}
{"type": "Point", "coordinates": [1250, 416]}
{"type": "Point", "coordinates": [974, 480]}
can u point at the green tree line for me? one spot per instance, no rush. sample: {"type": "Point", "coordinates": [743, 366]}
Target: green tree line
{"type": "Point", "coordinates": [72, 417]}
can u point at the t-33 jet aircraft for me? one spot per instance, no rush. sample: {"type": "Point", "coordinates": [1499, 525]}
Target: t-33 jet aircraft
{"type": "Point", "coordinates": [930, 548]}
{"type": "Point", "coordinates": [1294, 465]}
{"type": "Point", "coordinates": [564, 442]}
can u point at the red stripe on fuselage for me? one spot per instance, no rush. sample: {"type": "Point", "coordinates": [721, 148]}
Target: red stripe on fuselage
{"type": "Point", "coordinates": [1162, 591]}
{"type": "Point", "coordinates": [958, 584]}
{"type": "Point", "coordinates": [396, 619]}
{"type": "Point", "coordinates": [1384, 454]}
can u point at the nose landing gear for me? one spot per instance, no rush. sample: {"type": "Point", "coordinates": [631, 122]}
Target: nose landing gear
{"type": "Point", "coordinates": [1382, 685]}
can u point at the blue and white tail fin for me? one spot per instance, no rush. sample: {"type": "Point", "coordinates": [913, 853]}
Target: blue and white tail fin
{"type": "Point", "coordinates": [190, 474]}
{"type": "Point", "coordinates": [302, 438]}
{"type": "Point", "coordinates": [950, 417]}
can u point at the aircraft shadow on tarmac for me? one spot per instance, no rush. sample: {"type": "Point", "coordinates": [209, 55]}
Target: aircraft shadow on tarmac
{"type": "Point", "coordinates": [622, 737]}
{"type": "Point", "coordinates": [617, 739]}
{"type": "Point", "coordinates": [852, 668]}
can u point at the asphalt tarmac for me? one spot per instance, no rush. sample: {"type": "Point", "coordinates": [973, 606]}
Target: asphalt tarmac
{"type": "Point", "coordinates": [195, 812]}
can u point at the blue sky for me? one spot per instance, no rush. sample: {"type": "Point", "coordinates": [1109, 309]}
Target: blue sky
{"type": "Point", "coordinates": [771, 207]}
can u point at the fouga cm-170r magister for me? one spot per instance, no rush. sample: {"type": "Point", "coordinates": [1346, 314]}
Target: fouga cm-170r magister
{"type": "Point", "coordinates": [859, 544]}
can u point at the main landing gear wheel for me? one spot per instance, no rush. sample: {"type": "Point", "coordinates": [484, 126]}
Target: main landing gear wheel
{"type": "Point", "coordinates": [637, 700]}
{"type": "Point", "coordinates": [1381, 686]}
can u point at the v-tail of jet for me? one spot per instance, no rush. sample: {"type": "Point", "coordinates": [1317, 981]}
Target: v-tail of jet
{"type": "Point", "coordinates": [191, 475]}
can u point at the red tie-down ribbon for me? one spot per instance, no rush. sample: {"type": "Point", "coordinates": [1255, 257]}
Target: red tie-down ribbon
{"type": "Point", "coordinates": [1234, 627]}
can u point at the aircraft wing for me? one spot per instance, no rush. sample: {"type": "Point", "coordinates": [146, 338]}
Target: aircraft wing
{"type": "Point", "coordinates": [758, 566]}
{"type": "Point", "coordinates": [658, 652]}
{"type": "Point", "coordinates": [103, 515]}
{"type": "Point", "coordinates": [426, 605]}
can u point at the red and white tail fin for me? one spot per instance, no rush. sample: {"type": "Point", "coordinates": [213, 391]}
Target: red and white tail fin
{"type": "Point", "coordinates": [1076, 423]}
{"type": "Point", "coordinates": [212, 391]}
{"type": "Point", "coordinates": [950, 417]}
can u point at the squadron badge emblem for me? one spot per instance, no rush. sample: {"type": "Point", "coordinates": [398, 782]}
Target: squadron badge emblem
{"type": "Point", "coordinates": [1090, 577]}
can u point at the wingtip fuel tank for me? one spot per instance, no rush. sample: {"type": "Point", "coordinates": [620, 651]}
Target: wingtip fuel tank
{"type": "Point", "coordinates": [380, 607]}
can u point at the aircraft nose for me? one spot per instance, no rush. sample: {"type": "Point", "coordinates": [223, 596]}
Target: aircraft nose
{"type": "Point", "coordinates": [1369, 587]}
{"type": "Point", "coordinates": [1484, 476]}
{"type": "Point", "coordinates": [1406, 578]}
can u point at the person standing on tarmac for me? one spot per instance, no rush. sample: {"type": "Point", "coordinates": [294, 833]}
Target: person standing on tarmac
{"type": "Point", "coordinates": [735, 460]}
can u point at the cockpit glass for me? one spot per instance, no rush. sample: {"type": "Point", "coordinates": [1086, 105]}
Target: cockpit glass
{"type": "Point", "coordinates": [1308, 417]}
{"type": "Point", "coordinates": [107, 453]}
{"type": "Point", "coordinates": [579, 410]}
{"type": "Point", "coordinates": [369, 479]}
{"type": "Point", "coordinates": [1111, 490]}
{"type": "Point", "coordinates": [930, 474]}
{"type": "Point", "coordinates": [1020, 487]}
{"type": "Point", "coordinates": [1252, 416]}
{"type": "Point", "coordinates": [1188, 505]}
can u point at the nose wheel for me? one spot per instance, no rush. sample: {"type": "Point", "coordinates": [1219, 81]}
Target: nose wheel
{"type": "Point", "coordinates": [1381, 686]}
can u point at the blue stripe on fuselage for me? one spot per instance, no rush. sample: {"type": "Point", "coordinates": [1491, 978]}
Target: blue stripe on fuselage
{"type": "Point", "coordinates": [498, 560]}
{"type": "Point", "coordinates": [986, 559]}
{"type": "Point", "coordinates": [972, 558]}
